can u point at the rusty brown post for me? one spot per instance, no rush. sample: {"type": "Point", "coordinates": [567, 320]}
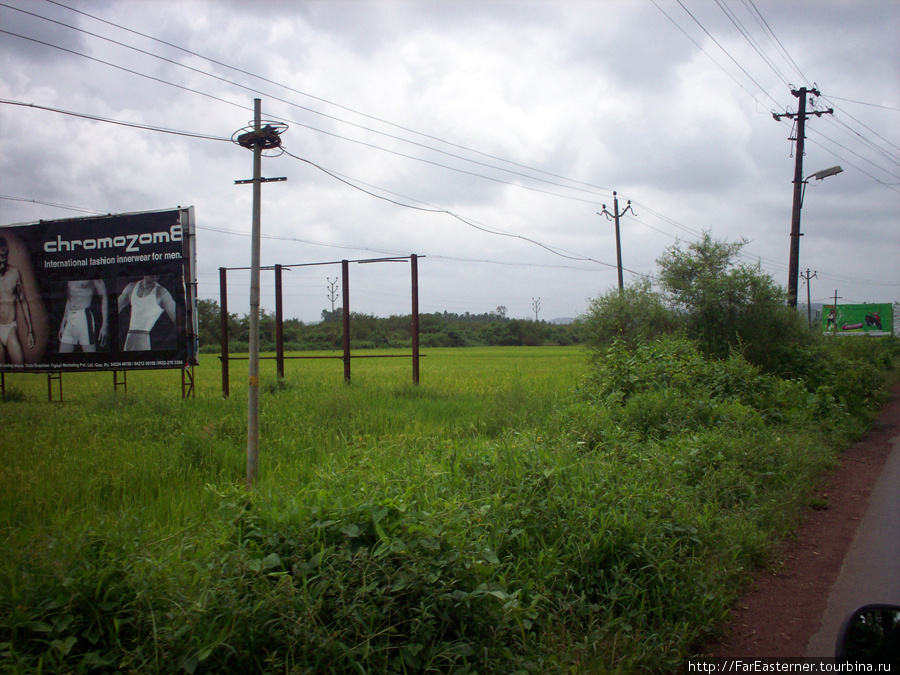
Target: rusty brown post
{"type": "Point", "coordinates": [345, 293]}
{"type": "Point", "coordinates": [414, 270]}
{"type": "Point", "coordinates": [223, 328]}
{"type": "Point", "coordinates": [279, 324]}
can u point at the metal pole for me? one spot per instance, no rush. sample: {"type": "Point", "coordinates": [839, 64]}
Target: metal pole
{"type": "Point", "coordinates": [253, 382]}
{"type": "Point", "coordinates": [794, 263]}
{"type": "Point", "coordinates": [414, 270]}
{"type": "Point", "coordinates": [279, 324]}
{"type": "Point", "coordinates": [345, 292]}
{"type": "Point", "coordinates": [223, 329]}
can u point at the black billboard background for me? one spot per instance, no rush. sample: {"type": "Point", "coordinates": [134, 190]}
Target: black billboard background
{"type": "Point", "coordinates": [117, 250]}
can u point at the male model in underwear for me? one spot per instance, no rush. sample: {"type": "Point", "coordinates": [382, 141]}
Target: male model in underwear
{"type": "Point", "coordinates": [148, 301]}
{"type": "Point", "coordinates": [79, 324]}
{"type": "Point", "coordinates": [12, 291]}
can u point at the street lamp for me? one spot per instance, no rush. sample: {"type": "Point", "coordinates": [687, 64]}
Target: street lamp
{"type": "Point", "coordinates": [825, 173]}
{"type": "Point", "coordinates": [794, 263]}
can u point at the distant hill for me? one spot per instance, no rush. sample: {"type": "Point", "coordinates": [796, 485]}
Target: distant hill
{"type": "Point", "coordinates": [562, 321]}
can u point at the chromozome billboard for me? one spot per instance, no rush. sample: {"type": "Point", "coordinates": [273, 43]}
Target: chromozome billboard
{"type": "Point", "coordinates": [98, 293]}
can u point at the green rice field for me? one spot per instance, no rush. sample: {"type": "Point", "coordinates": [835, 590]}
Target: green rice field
{"type": "Point", "coordinates": [521, 510]}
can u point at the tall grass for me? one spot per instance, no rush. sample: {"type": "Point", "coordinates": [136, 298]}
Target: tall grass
{"type": "Point", "coordinates": [506, 515]}
{"type": "Point", "coordinates": [99, 451]}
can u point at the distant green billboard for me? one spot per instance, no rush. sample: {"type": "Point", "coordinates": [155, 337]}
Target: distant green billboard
{"type": "Point", "coordinates": [875, 319]}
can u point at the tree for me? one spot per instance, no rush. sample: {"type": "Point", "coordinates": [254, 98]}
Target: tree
{"type": "Point", "coordinates": [210, 329]}
{"type": "Point", "coordinates": [725, 304]}
{"type": "Point", "coordinates": [633, 315]}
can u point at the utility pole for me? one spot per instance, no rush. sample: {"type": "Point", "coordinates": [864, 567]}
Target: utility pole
{"type": "Point", "coordinates": [256, 138]}
{"type": "Point", "coordinates": [800, 116]}
{"type": "Point", "coordinates": [536, 306]}
{"type": "Point", "coordinates": [833, 315]}
{"type": "Point", "coordinates": [332, 290]}
{"type": "Point", "coordinates": [615, 216]}
{"type": "Point", "coordinates": [807, 277]}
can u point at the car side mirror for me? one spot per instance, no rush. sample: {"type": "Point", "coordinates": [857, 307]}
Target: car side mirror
{"type": "Point", "coordinates": [870, 634]}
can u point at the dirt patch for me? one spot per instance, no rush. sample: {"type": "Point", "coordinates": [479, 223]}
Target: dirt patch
{"type": "Point", "coordinates": [781, 610]}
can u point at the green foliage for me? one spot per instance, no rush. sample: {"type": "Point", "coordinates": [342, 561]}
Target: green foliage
{"type": "Point", "coordinates": [11, 395]}
{"type": "Point", "coordinates": [370, 332]}
{"type": "Point", "coordinates": [724, 303]}
{"type": "Point", "coordinates": [484, 521]}
{"type": "Point", "coordinates": [631, 316]}
{"type": "Point", "coordinates": [709, 297]}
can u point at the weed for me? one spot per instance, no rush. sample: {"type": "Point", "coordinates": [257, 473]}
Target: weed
{"type": "Point", "coordinates": [494, 519]}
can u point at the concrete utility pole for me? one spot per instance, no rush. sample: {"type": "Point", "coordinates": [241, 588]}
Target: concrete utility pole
{"type": "Point", "coordinates": [834, 318]}
{"type": "Point", "coordinates": [807, 277]}
{"type": "Point", "coordinates": [615, 216]}
{"type": "Point", "coordinates": [257, 139]}
{"type": "Point", "coordinates": [800, 116]}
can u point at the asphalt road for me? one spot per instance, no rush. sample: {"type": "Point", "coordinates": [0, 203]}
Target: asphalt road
{"type": "Point", "coordinates": [871, 569]}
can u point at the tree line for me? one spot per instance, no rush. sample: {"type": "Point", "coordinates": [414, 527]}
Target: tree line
{"type": "Point", "coordinates": [437, 329]}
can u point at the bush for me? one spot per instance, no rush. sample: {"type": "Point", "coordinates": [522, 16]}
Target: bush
{"type": "Point", "coordinates": [727, 305]}
{"type": "Point", "coordinates": [631, 316]}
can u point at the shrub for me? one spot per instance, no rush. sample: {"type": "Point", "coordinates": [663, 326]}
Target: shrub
{"type": "Point", "coordinates": [631, 316]}
{"type": "Point", "coordinates": [727, 305]}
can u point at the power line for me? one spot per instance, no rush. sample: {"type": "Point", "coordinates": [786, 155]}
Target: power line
{"type": "Point", "coordinates": [332, 103]}
{"type": "Point", "coordinates": [762, 19]}
{"type": "Point", "coordinates": [471, 223]}
{"type": "Point", "coordinates": [108, 120]}
{"type": "Point", "coordinates": [774, 39]}
{"type": "Point", "coordinates": [753, 43]}
{"type": "Point", "coordinates": [123, 68]}
{"type": "Point", "coordinates": [53, 204]}
{"type": "Point", "coordinates": [725, 51]}
{"type": "Point", "coordinates": [355, 112]}
{"type": "Point", "coordinates": [706, 53]}
{"type": "Point", "coordinates": [872, 105]}
{"type": "Point", "coordinates": [297, 123]}
{"type": "Point", "coordinates": [325, 115]}
{"type": "Point", "coordinates": [332, 134]}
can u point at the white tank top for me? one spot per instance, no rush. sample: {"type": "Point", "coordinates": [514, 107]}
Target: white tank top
{"type": "Point", "coordinates": [144, 311]}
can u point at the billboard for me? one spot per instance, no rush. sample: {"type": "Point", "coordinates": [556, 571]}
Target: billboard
{"type": "Point", "coordinates": [99, 293]}
{"type": "Point", "coordinates": [872, 319]}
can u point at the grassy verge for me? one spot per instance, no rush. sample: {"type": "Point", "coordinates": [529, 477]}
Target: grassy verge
{"type": "Point", "coordinates": [507, 515]}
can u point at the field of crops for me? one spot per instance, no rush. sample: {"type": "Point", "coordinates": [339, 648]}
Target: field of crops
{"type": "Point", "coordinates": [517, 511]}
{"type": "Point", "coordinates": [98, 451]}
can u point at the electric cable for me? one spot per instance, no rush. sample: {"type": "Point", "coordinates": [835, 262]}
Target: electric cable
{"type": "Point", "coordinates": [328, 102]}
{"type": "Point", "coordinates": [356, 112]}
{"type": "Point", "coordinates": [108, 120]}
{"type": "Point", "coordinates": [774, 38]}
{"type": "Point", "coordinates": [471, 223]}
{"type": "Point", "coordinates": [753, 43]}
{"type": "Point", "coordinates": [317, 112]}
{"type": "Point", "coordinates": [65, 207]}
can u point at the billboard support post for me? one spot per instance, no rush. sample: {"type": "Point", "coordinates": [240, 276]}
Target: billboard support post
{"type": "Point", "coordinates": [223, 328]}
{"type": "Point", "coordinates": [414, 273]}
{"type": "Point", "coordinates": [50, 377]}
{"type": "Point", "coordinates": [345, 292]}
{"type": "Point", "coordinates": [279, 324]}
{"type": "Point", "coordinates": [187, 382]}
{"type": "Point", "coordinates": [120, 383]}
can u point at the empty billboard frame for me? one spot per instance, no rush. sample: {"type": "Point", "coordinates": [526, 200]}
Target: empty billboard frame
{"type": "Point", "coordinates": [114, 292]}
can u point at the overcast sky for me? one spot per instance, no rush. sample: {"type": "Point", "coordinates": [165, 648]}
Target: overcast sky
{"type": "Point", "coordinates": [507, 125]}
